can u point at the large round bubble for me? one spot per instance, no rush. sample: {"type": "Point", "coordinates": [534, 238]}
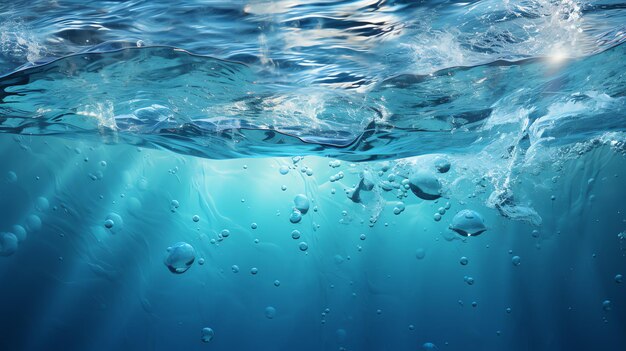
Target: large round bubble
{"type": "Point", "coordinates": [301, 202]}
{"type": "Point", "coordinates": [425, 185]}
{"type": "Point", "coordinates": [8, 244]}
{"type": "Point", "coordinates": [180, 257]}
{"type": "Point", "coordinates": [468, 223]}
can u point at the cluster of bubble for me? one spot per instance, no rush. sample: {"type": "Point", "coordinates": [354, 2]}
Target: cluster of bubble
{"type": "Point", "coordinates": [334, 163]}
{"type": "Point", "coordinates": [336, 177]}
{"type": "Point", "coordinates": [441, 211]}
{"type": "Point", "coordinates": [301, 205]}
{"type": "Point", "coordinates": [9, 241]}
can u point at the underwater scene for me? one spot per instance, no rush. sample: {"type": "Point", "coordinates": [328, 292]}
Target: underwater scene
{"type": "Point", "coordinates": [351, 175]}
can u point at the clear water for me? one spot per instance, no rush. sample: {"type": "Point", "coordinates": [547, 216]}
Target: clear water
{"type": "Point", "coordinates": [153, 154]}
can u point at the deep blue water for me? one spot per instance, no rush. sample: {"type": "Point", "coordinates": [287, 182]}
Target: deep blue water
{"type": "Point", "coordinates": [312, 175]}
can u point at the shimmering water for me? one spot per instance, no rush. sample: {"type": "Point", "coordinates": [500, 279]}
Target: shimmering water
{"type": "Point", "coordinates": [312, 175]}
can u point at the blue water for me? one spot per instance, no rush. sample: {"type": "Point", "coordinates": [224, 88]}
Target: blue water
{"type": "Point", "coordinates": [301, 175]}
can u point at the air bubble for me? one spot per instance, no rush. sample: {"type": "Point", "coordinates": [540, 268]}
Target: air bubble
{"type": "Point", "coordinates": [195, 218]}
{"type": "Point", "coordinates": [295, 234]}
{"type": "Point", "coordinates": [283, 170]}
{"type": "Point", "coordinates": [442, 165]}
{"type": "Point", "coordinates": [8, 244]}
{"type": "Point", "coordinates": [607, 305]}
{"type": "Point", "coordinates": [11, 177]}
{"type": "Point", "coordinates": [301, 203]}
{"type": "Point", "coordinates": [33, 223]}
{"type": "Point", "coordinates": [516, 260]}
{"type": "Point", "coordinates": [464, 261]}
{"type": "Point", "coordinates": [468, 223]}
{"type": "Point", "coordinates": [619, 278]}
{"type": "Point", "coordinates": [180, 257]}
{"type": "Point", "coordinates": [270, 312]}
{"type": "Point", "coordinates": [114, 223]}
{"type": "Point", "coordinates": [303, 246]}
{"type": "Point", "coordinates": [296, 216]}
{"type": "Point", "coordinates": [19, 232]}
{"type": "Point", "coordinates": [174, 204]}
{"type": "Point", "coordinates": [225, 233]}
{"type": "Point", "coordinates": [420, 253]}
{"type": "Point", "coordinates": [425, 186]}
{"type": "Point", "coordinates": [42, 204]}
{"type": "Point", "coordinates": [207, 335]}
{"type": "Point", "coordinates": [429, 346]}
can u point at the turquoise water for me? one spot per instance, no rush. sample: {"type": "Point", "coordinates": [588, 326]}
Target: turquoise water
{"type": "Point", "coordinates": [287, 175]}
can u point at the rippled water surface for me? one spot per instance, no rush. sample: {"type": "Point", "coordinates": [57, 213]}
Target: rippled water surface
{"type": "Point", "coordinates": [312, 175]}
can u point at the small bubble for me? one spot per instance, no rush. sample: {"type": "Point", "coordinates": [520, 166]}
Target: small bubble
{"type": "Point", "coordinates": [464, 261]}
{"type": "Point", "coordinates": [508, 310]}
{"type": "Point", "coordinates": [429, 346]}
{"type": "Point", "coordinates": [254, 226]}
{"type": "Point", "coordinates": [235, 268]}
{"type": "Point", "coordinates": [254, 271]}
{"type": "Point", "coordinates": [362, 237]}
{"type": "Point", "coordinates": [474, 304]}
{"type": "Point", "coordinates": [295, 234]}
{"type": "Point", "coordinates": [303, 246]}
{"type": "Point", "coordinates": [207, 335]}
{"type": "Point", "coordinates": [607, 305]}
{"type": "Point", "coordinates": [468, 223]}
{"type": "Point", "coordinates": [195, 218]}
{"type": "Point", "coordinates": [469, 280]}
{"type": "Point", "coordinates": [420, 253]}
{"type": "Point", "coordinates": [225, 233]}
{"type": "Point", "coordinates": [283, 170]}
{"type": "Point", "coordinates": [276, 283]}
{"type": "Point", "coordinates": [174, 204]}
{"type": "Point", "coordinates": [108, 224]}
{"type": "Point", "coordinates": [296, 216]}
{"type": "Point", "coordinates": [270, 312]}
{"type": "Point", "coordinates": [619, 278]}
{"type": "Point", "coordinates": [516, 260]}
{"type": "Point", "coordinates": [437, 217]}
{"type": "Point", "coordinates": [201, 261]}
